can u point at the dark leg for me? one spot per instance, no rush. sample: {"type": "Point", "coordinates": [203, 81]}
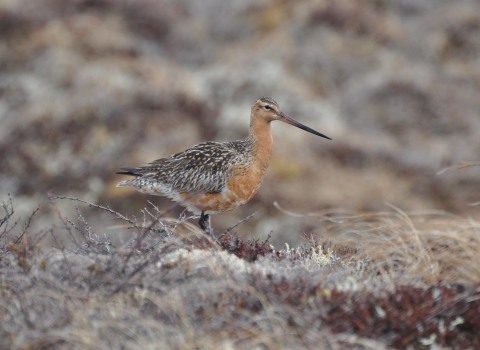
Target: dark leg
{"type": "Point", "coordinates": [203, 222]}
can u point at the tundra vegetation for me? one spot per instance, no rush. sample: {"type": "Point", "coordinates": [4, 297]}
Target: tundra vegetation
{"type": "Point", "coordinates": [370, 281]}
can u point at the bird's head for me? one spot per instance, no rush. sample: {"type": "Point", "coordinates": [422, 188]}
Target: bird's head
{"type": "Point", "coordinates": [267, 109]}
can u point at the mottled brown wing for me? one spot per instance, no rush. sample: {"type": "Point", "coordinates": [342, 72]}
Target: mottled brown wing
{"type": "Point", "coordinates": [204, 167]}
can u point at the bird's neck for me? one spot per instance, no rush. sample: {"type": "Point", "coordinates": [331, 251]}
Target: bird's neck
{"type": "Point", "coordinates": [260, 138]}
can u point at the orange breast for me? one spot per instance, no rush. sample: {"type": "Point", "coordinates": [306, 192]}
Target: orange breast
{"type": "Point", "coordinates": [240, 188]}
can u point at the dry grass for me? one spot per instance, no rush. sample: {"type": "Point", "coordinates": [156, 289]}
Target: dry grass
{"type": "Point", "coordinates": [421, 248]}
{"type": "Point", "coordinates": [373, 281]}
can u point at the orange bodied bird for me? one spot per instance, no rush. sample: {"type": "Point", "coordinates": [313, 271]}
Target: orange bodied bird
{"type": "Point", "coordinates": [213, 177]}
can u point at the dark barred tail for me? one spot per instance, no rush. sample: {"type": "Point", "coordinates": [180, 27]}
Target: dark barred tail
{"type": "Point", "coordinates": [129, 171]}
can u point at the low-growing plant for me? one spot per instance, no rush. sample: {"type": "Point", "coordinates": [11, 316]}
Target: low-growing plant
{"type": "Point", "coordinates": [370, 281]}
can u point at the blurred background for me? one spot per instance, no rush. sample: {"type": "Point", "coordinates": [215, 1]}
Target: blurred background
{"type": "Point", "coordinates": [88, 86]}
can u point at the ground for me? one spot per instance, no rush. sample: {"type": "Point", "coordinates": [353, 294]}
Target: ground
{"type": "Point", "coordinates": [388, 280]}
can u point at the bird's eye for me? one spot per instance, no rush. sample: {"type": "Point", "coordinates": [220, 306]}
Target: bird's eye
{"type": "Point", "coordinates": [267, 107]}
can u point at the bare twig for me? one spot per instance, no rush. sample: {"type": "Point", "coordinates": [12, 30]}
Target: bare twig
{"type": "Point", "coordinates": [297, 215]}
{"type": "Point", "coordinates": [87, 229]}
{"type": "Point", "coordinates": [238, 223]}
{"type": "Point", "coordinates": [268, 238]}
{"type": "Point", "coordinates": [458, 166]}
{"type": "Point", "coordinates": [8, 208]}
{"type": "Point", "coordinates": [107, 208]}
{"type": "Point", "coordinates": [26, 226]}
{"type": "Point", "coordinates": [39, 236]}
{"type": "Point", "coordinates": [461, 166]}
{"type": "Point", "coordinates": [147, 229]}
{"type": "Point", "coordinates": [65, 222]}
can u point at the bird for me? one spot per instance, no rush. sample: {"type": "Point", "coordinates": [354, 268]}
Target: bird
{"type": "Point", "coordinates": [215, 177]}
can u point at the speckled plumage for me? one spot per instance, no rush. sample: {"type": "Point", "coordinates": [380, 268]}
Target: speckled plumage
{"type": "Point", "coordinates": [203, 168]}
{"type": "Point", "coordinates": [213, 177]}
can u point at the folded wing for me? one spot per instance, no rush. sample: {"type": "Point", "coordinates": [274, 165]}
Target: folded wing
{"type": "Point", "coordinates": [203, 168]}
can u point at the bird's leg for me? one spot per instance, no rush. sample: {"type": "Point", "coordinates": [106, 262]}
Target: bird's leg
{"type": "Point", "coordinates": [206, 225]}
{"type": "Point", "coordinates": [203, 223]}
